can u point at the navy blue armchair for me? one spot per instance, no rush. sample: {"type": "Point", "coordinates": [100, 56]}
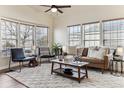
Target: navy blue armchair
{"type": "Point", "coordinates": [17, 55]}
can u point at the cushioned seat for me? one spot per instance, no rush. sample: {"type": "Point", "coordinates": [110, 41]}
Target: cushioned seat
{"type": "Point", "coordinates": [98, 61]}
{"type": "Point", "coordinates": [44, 52]}
{"type": "Point", "coordinates": [92, 60]}
{"type": "Point", "coordinates": [47, 56]}
{"type": "Point", "coordinates": [24, 59]}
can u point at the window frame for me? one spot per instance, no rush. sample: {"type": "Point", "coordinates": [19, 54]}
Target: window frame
{"type": "Point", "coordinates": [93, 33]}
{"type": "Point", "coordinates": [117, 31]}
{"type": "Point", "coordinates": [36, 35]}
{"type": "Point", "coordinates": [6, 28]}
{"type": "Point", "coordinates": [79, 37]}
{"type": "Point", "coordinates": [19, 22]}
{"type": "Point", "coordinates": [31, 40]}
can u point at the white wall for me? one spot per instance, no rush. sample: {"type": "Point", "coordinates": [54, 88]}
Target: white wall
{"type": "Point", "coordinates": [25, 13]}
{"type": "Point", "coordinates": [83, 14]}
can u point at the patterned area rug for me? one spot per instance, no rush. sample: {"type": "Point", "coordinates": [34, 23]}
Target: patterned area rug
{"type": "Point", "coordinates": [40, 77]}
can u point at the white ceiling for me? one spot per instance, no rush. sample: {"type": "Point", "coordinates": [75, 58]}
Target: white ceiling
{"type": "Point", "coordinates": [77, 9]}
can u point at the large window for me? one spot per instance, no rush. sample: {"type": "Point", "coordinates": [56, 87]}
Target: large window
{"type": "Point", "coordinates": [26, 36]}
{"type": "Point", "coordinates": [41, 36]}
{"type": "Point", "coordinates": [74, 35]}
{"type": "Point", "coordinates": [113, 33]}
{"type": "Point", "coordinates": [8, 32]}
{"type": "Point", "coordinates": [21, 34]}
{"type": "Point", "coordinates": [91, 34]}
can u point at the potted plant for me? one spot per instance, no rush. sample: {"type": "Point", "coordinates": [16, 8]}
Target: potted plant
{"type": "Point", "coordinates": [56, 48]}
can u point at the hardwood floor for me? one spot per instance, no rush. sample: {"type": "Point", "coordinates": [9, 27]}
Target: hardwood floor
{"type": "Point", "coordinates": [8, 82]}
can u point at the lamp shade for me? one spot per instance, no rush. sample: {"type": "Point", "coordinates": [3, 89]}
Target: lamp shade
{"type": "Point", "coordinates": [34, 47]}
{"type": "Point", "coordinates": [119, 51]}
{"type": "Point", "coordinates": [64, 48]}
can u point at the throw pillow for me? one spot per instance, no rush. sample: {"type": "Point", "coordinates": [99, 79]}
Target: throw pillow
{"type": "Point", "coordinates": [101, 53]}
{"type": "Point", "coordinates": [85, 52]}
{"type": "Point", "coordinates": [96, 53]}
{"type": "Point", "coordinates": [92, 52]}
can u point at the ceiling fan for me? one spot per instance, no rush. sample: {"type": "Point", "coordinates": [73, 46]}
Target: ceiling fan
{"type": "Point", "coordinates": [55, 8]}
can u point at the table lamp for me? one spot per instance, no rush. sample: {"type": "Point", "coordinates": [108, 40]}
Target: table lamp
{"type": "Point", "coordinates": [64, 49]}
{"type": "Point", "coordinates": [119, 52]}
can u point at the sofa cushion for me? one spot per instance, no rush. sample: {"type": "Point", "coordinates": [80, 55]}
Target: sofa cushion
{"type": "Point", "coordinates": [92, 60]}
{"type": "Point", "coordinates": [72, 50]}
{"type": "Point", "coordinates": [85, 52]}
{"type": "Point", "coordinates": [97, 53]}
{"type": "Point", "coordinates": [92, 53]}
{"type": "Point", "coordinates": [79, 51]}
{"type": "Point", "coordinates": [101, 53]}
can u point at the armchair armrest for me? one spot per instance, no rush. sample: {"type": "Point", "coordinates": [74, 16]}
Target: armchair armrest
{"type": "Point", "coordinates": [106, 61]}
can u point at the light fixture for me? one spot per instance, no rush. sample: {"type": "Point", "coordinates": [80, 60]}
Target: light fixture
{"type": "Point", "coordinates": [64, 48]}
{"type": "Point", "coordinates": [53, 9]}
{"type": "Point", "coordinates": [33, 47]}
{"type": "Point", "coordinates": [119, 51]}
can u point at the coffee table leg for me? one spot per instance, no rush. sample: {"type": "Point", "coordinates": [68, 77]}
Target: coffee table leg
{"type": "Point", "coordinates": [60, 66]}
{"type": "Point", "coordinates": [112, 67]}
{"type": "Point", "coordinates": [86, 72]}
{"type": "Point", "coordinates": [121, 66]}
{"type": "Point", "coordinates": [52, 68]}
{"type": "Point", "coordinates": [79, 74]}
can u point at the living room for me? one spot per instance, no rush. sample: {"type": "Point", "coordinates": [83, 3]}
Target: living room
{"type": "Point", "coordinates": [78, 28]}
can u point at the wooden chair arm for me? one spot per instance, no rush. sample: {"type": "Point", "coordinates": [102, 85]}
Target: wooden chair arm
{"type": "Point", "coordinates": [106, 61]}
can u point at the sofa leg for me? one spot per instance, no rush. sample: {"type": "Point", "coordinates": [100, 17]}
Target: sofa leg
{"type": "Point", "coordinates": [102, 71]}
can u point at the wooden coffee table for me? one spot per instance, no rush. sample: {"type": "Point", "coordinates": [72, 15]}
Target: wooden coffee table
{"type": "Point", "coordinates": [77, 75]}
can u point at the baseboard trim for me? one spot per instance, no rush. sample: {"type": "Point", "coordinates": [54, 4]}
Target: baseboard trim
{"type": "Point", "coordinates": [5, 70]}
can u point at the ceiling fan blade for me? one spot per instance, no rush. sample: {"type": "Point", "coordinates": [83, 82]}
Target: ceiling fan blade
{"type": "Point", "coordinates": [64, 6]}
{"type": "Point", "coordinates": [59, 10]}
{"type": "Point", "coordinates": [46, 5]}
{"type": "Point", "coordinates": [48, 10]}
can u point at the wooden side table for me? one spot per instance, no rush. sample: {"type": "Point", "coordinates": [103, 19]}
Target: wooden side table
{"type": "Point", "coordinates": [34, 62]}
{"type": "Point", "coordinates": [112, 62]}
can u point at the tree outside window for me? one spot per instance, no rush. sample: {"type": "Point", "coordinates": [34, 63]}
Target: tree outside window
{"type": "Point", "coordinates": [41, 36]}
{"type": "Point", "coordinates": [26, 37]}
{"type": "Point", "coordinates": [8, 36]}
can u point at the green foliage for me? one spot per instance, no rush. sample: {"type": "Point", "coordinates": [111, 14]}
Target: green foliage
{"type": "Point", "coordinates": [55, 48]}
{"type": "Point", "coordinates": [8, 44]}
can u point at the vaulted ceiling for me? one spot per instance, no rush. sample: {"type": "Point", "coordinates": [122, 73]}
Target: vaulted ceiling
{"type": "Point", "coordinates": [77, 9]}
